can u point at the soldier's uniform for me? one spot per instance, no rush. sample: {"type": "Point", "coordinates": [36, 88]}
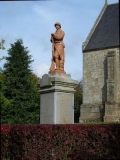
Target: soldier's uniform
{"type": "Point", "coordinates": [59, 48]}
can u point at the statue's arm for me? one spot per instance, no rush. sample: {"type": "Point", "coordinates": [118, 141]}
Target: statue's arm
{"type": "Point", "coordinates": [51, 37]}
{"type": "Point", "coordinates": [59, 35]}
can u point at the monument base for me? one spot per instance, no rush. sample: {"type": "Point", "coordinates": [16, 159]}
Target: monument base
{"type": "Point", "coordinates": [57, 71]}
{"type": "Point", "coordinates": [112, 112]}
{"type": "Point", "coordinates": [91, 113]}
{"type": "Point", "coordinates": [57, 99]}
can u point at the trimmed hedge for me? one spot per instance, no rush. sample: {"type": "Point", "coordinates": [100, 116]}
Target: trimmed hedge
{"type": "Point", "coordinates": [5, 130]}
{"type": "Point", "coordinates": [61, 142]}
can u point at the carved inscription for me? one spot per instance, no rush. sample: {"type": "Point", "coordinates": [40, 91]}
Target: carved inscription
{"type": "Point", "coordinates": [47, 108]}
{"type": "Point", "coordinates": [66, 112]}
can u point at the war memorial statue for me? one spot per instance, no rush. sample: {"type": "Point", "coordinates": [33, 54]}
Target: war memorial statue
{"type": "Point", "coordinates": [57, 87]}
{"type": "Point", "coordinates": [58, 46]}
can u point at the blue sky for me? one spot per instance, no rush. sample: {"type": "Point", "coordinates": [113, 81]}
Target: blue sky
{"type": "Point", "coordinates": [33, 21]}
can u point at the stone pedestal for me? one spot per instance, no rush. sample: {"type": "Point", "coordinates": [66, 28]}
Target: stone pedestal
{"type": "Point", "coordinates": [57, 99]}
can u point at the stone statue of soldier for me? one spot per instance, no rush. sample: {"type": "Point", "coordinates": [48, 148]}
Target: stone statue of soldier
{"type": "Point", "coordinates": [58, 46]}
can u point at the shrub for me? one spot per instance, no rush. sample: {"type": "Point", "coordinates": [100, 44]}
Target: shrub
{"type": "Point", "coordinates": [64, 142]}
{"type": "Point", "coordinates": [5, 139]}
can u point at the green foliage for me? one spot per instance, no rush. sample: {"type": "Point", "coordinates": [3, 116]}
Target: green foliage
{"type": "Point", "coordinates": [77, 102]}
{"type": "Point", "coordinates": [4, 57]}
{"type": "Point", "coordinates": [21, 88]}
{"type": "Point", "coordinates": [1, 44]}
{"type": "Point", "coordinates": [2, 47]}
{"type": "Point", "coordinates": [78, 96]}
{"type": "Point", "coordinates": [3, 100]}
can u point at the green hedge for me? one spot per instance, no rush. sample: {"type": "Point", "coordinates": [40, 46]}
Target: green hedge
{"type": "Point", "coordinates": [61, 142]}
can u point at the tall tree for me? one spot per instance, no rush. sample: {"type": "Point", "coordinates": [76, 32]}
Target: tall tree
{"type": "Point", "coordinates": [21, 88]}
{"type": "Point", "coordinates": [4, 102]}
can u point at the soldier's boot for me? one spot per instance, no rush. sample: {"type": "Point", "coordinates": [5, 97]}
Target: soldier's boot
{"type": "Point", "coordinates": [57, 64]}
{"type": "Point", "coordinates": [61, 65]}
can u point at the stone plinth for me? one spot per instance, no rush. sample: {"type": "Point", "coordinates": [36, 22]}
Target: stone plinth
{"type": "Point", "coordinates": [57, 99]}
{"type": "Point", "coordinates": [57, 71]}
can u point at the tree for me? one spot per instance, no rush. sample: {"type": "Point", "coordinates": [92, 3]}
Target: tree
{"type": "Point", "coordinates": [77, 101]}
{"type": "Point", "coordinates": [1, 44]}
{"type": "Point", "coordinates": [21, 88]}
{"type": "Point", "coordinates": [3, 100]}
{"type": "Point", "coordinates": [2, 47]}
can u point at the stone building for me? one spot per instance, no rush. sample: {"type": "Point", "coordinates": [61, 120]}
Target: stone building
{"type": "Point", "coordinates": [101, 68]}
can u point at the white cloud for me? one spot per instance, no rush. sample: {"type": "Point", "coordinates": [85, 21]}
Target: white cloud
{"type": "Point", "coordinates": [53, 12]}
{"type": "Point", "coordinates": [43, 12]}
{"type": "Point", "coordinates": [77, 74]}
{"type": "Point", "coordinates": [41, 69]}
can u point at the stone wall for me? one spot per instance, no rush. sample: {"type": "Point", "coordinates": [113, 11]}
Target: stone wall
{"type": "Point", "coordinates": [95, 76]}
{"type": "Point", "coordinates": [117, 76]}
{"type": "Point", "coordinates": [111, 87]}
{"type": "Point", "coordinates": [97, 84]}
{"type": "Point", "coordinates": [112, 106]}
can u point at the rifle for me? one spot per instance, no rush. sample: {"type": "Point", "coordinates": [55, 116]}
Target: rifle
{"type": "Point", "coordinates": [52, 67]}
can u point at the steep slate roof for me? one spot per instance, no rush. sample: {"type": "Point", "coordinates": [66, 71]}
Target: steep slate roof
{"type": "Point", "coordinates": [106, 34]}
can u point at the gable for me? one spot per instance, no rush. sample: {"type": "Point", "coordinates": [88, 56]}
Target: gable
{"type": "Point", "coordinates": [106, 33]}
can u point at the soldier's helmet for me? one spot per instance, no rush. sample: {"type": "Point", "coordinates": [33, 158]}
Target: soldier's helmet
{"type": "Point", "coordinates": [57, 23]}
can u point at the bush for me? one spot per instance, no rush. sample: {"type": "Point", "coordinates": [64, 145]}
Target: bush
{"type": "Point", "coordinates": [5, 139]}
{"type": "Point", "coordinates": [64, 142]}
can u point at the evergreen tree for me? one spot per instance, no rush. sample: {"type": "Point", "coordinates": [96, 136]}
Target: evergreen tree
{"type": "Point", "coordinates": [21, 88]}
{"type": "Point", "coordinates": [4, 102]}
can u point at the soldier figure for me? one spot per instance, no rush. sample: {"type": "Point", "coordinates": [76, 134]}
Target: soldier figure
{"type": "Point", "coordinates": [57, 49]}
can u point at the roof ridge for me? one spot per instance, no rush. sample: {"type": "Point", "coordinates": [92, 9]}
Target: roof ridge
{"type": "Point", "coordinates": [113, 3]}
{"type": "Point", "coordinates": [94, 26]}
